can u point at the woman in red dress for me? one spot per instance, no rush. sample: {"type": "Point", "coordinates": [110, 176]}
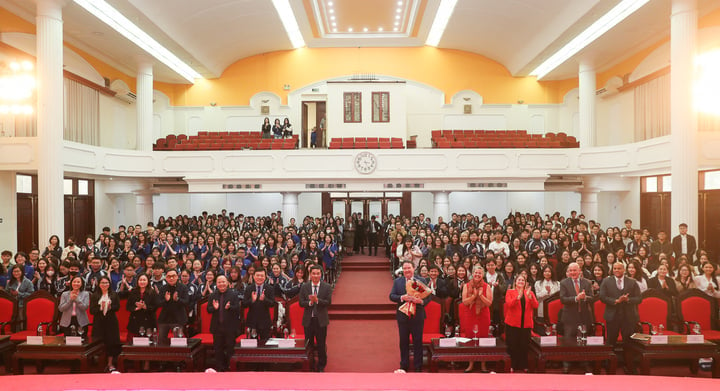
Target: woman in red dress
{"type": "Point", "coordinates": [477, 297]}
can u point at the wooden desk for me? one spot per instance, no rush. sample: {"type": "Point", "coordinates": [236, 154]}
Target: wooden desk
{"type": "Point", "coordinates": [271, 354]}
{"type": "Point", "coordinates": [566, 350]}
{"type": "Point", "coordinates": [676, 348]}
{"type": "Point", "coordinates": [469, 351]}
{"type": "Point", "coordinates": [7, 348]}
{"type": "Point", "coordinates": [54, 348]}
{"type": "Point", "coordinates": [190, 354]}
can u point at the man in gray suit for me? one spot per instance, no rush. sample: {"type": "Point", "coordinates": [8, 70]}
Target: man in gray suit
{"type": "Point", "coordinates": [576, 297]}
{"type": "Point", "coordinates": [315, 298]}
{"type": "Point", "coordinates": [621, 296]}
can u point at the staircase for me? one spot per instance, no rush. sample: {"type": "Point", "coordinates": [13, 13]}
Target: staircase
{"type": "Point", "coordinates": [362, 291]}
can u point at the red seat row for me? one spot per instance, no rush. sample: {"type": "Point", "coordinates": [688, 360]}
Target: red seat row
{"type": "Point", "coordinates": [500, 139]}
{"type": "Point", "coordinates": [366, 143]}
{"type": "Point", "coordinates": [216, 141]}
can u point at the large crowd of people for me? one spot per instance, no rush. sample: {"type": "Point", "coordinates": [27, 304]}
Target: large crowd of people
{"type": "Point", "coordinates": [499, 270]}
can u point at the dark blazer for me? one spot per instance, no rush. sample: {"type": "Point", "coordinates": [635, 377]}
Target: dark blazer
{"type": "Point", "coordinates": [441, 290]}
{"type": "Point", "coordinates": [321, 308]}
{"type": "Point", "coordinates": [258, 316]}
{"type": "Point", "coordinates": [145, 317]}
{"type": "Point", "coordinates": [231, 316]}
{"type": "Point", "coordinates": [691, 247]}
{"type": "Point", "coordinates": [609, 293]}
{"type": "Point", "coordinates": [575, 313]}
{"type": "Point", "coordinates": [398, 290]}
{"type": "Point", "coordinates": [174, 311]}
{"type": "Point", "coordinates": [654, 283]}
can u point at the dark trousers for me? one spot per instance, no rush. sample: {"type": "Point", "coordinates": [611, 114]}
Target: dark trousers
{"type": "Point", "coordinates": [164, 329]}
{"type": "Point", "coordinates": [518, 343]}
{"type": "Point", "coordinates": [78, 330]}
{"type": "Point", "coordinates": [406, 327]}
{"type": "Point", "coordinates": [372, 243]}
{"type": "Point", "coordinates": [224, 345]}
{"type": "Point", "coordinates": [619, 325]}
{"type": "Point", "coordinates": [316, 337]}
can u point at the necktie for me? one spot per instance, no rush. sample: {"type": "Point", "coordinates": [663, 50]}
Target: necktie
{"type": "Point", "coordinates": [619, 284]}
{"type": "Point", "coordinates": [577, 287]}
{"type": "Point", "coordinates": [259, 290]}
{"type": "Point", "coordinates": [315, 292]}
{"type": "Point", "coordinates": [222, 306]}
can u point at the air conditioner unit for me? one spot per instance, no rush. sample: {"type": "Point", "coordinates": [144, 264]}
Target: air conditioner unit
{"type": "Point", "coordinates": [610, 89]}
{"type": "Point", "coordinates": [563, 181]}
{"type": "Point", "coordinates": [122, 91]}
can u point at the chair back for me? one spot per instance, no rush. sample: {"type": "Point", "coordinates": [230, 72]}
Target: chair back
{"type": "Point", "coordinates": [551, 308]}
{"type": "Point", "coordinates": [204, 316]}
{"type": "Point", "coordinates": [8, 312]}
{"type": "Point", "coordinates": [295, 315]}
{"type": "Point", "coordinates": [655, 308]}
{"type": "Point", "coordinates": [434, 311]}
{"type": "Point", "coordinates": [696, 306]}
{"type": "Point", "coordinates": [599, 315]}
{"type": "Point", "coordinates": [40, 307]}
{"type": "Point", "coordinates": [123, 316]}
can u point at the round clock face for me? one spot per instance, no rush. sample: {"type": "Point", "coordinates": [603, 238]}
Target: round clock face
{"type": "Point", "coordinates": [365, 162]}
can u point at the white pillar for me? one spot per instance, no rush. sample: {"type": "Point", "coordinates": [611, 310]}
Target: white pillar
{"type": "Point", "coordinates": [290, 207]}
{"type": "Point", "coordinates": [144, 105]}
{"type": "Point", "coordinates": [589, 203]}
{"type": "Point", "coordinates": [144, 206]}
{"type": "Point", "coordinates": [51, 206]}
{"type": "Point", "coordinates": [8, 212]}
{"type": "Point", "coordinates": [683, 118]}
{"type": "Point", "coordinates": [587, 104]}
{"type": "Point", "coordinates": [441, 206]}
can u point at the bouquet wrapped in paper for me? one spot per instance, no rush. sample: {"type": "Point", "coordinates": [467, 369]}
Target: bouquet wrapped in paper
{"type": "Point", "coordinates": [415, 289]}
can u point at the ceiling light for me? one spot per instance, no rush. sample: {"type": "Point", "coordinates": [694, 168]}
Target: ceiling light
{"type": "Point", "coordinates": [289, 22]}
{"type": "Point", "coordinates": [332, 17]}
{"type": "Point", "coordinates": [397, 16]}
{"type": "Point", "coordinates": [395, 29]}
{"type": "Point", "coordinates": [380, 29]}
{"type": "Point", "coordinates": [442, 17]}
{"type": "Point", "coordinates": [334, 30]}
{"type": "Point", "coordinates": [349, 29]}
{"type": "Point", "coordinates": [398, 10]}
{"type": "Point", "coordinates": [113, 18]}
{"type": "Point", "coordinates": [365, 29]}
{"type": "Point", "coordinates": [616, 15]}
{"type": "Point", "coordinates": [332, 11]}
{"type": "Point", "coordinates": [399, 2]}
{"type": "Point", "coordinates": [334, 24]}
{"type": "Point", "coordinates": [330, 3]}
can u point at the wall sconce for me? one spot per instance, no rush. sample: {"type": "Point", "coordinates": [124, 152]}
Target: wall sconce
{"type": "Point", "coordinates": [286, 87]}
{"type": "Point", "coordinates": [17, 85]}
{"type": "Point", "coordinates": [213, 104]}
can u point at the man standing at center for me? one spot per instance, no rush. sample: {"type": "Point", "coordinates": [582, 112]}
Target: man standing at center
{"type": "Point", "coordinates": [576, 297]}
{"type": "Point", "coordinates": [409, 325]}
{"type": "Point", "coordinates": [315, 297]}
{"type": "Point", "coordinates": [621, 296]}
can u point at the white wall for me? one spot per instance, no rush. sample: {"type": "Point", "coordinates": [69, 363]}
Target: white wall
{"type": "Point", "coordinates": [194, 204]}
{"type": "Point", "coordinates": [309, 204]}
{"type": "Point", "coordinates": [8, 211]}
{"type": "Point", "coordinates": [422, 202]}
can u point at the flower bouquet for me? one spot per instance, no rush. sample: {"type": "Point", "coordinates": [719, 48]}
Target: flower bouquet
{"type": "Point", "coordinates": [415, 289]}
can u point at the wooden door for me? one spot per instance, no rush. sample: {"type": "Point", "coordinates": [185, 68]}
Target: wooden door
{"type": "Point", "coordinates": [655, 212]}
{"type": "Point", "coordinates": [709, 222]}
{"type": "Point", "coordinates": [27, 222]}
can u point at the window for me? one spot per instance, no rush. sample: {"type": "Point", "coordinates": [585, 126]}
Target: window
{"type": "Point", "coordinates": [67, 186]}
{"type": "Point", "coordinates": [651, 184]}
{"type": "Point", "coordinates": [352, 106]}
{"type": "Point", "coordinates": [83, 187]}
{"type": "Point", "coordinates": [666, 183]}
{"type": "Point", "coordinates": [711, 180]}
{"type": "Point", "coordinates": [656, 184]}
{"type": "Point", "coordinates": [23, 184]}
{"type": "Point", "coordinates": [380, 107]}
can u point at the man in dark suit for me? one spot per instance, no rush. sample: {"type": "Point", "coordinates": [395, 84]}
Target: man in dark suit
{"type": "Point", "coordinates": [224, 305]}
{"type": "Point", "coordinates": [621, 296]}
{"type": "Point", "coordinates": [576, 297]}
{"type": "Point", "coordinates": [315, 298]}
{"type": "Point", "coordinates": [409, 325]}
{"type": "Point", "coordinates": [373, 232]}
{"type": "Point", "coordinates": [174, 300]}
{"type": "Point", "coordinates": [684, 244]}
{"type": "Point", "coordinates": [259, 299]}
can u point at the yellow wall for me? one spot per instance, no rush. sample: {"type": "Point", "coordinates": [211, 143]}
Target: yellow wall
{"type": "Point", "coordinates": [448, 70]}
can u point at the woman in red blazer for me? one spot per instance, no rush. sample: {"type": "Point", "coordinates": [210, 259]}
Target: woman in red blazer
{"type": "Point", "coordinates": [520, 302]}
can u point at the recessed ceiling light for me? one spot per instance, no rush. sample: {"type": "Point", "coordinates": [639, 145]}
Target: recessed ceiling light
{"type": "Point", "coordinates": [332, 11]}
{"type": "Point", "coordinates": [399, 2]}
{"type": "Point", "coordinates": [334, 24]}
{"type": "Point", "coordinates": [380, 29]}
{"type": "Point", "coordinates": [397, 23]}
{"type": "Point", "coordinates": [334, 30]}
{"type": "Point", "coordinates": [332, 17]}
{"type": "Point", "coordinates": [330, 3]}
{"type": "Point", "coordinates": [398, 10]}
{"type": "Point", "coordinates": [395, 29]}
{"type": "Point", "coordinates": [365, 29]}
{"type": "Point", "coordinates": [349, 29]}
{"type": "Point", "coordinates": [397, 16]}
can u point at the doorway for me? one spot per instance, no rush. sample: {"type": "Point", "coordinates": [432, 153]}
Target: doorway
{"type": "Point", "coordinates": [312, 114]}
{"type": "Point", "coordinates": [368, 204]}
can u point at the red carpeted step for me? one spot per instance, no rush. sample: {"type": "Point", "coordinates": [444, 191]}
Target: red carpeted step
{"type": "Point", "coordinates": [378, 268]}
{"type": "Point", "coordinates": [361, 315]}
{"type": "Point", "coordinates": [389, 306]}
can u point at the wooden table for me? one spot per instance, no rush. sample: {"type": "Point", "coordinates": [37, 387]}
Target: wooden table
{"type": "Point", "coordinates": [54, 348]}
{"type": "Point", "coordinates": [469, 351]}
{"type": "Point", "coordinates": [676, 348]}
{"type": "Point", "coordinates": [190, 354]}
{"type": "Point", "coordinates": [272, 354]}
{"type": "Point", "coordinates": [6, 351]}
{"type": "Point", "coordinates": [570, 350]}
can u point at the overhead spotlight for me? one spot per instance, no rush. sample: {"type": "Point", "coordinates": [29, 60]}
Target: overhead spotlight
{"type": "Point", "coordinates": [398, 10]}
{"type": "Point", "coordinates": [349, 29]}
{"type": "Point", "coordinates": [14, 66]}
{"type": "Point", "coordinates": [27, 65]}
{"type": "Point", "coordinates": [365, 29]}
{"type": "Point", "coordinates": [397, 16]}
{"type": "Point", "coordinates": [380, 29]}
{"type": "Point", "coordinates": [395, 29]}
{"type": "Point", "coordinates": [334, 24]}
{"type": "Point", "coordinates": [334, 30]}
{"type": "Point", "coordinates": [330, 3]}
{"type": "Point", "coordinates": [332, 17]}
{"type": "Point", "coordinates": [332, 11]}
{"type": "Point", "coordinates": [399, 2]}
{"type": "Point", "coordinates": [397, 23]}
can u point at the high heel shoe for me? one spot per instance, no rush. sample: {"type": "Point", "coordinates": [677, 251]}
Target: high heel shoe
{"type": "Point", "coordinates": [470, 368]}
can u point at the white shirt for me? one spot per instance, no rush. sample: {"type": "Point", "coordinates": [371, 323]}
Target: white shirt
{"type": "Point", "coordinates": [683, 240]}
{"type": "Point", "coordinates": [498, 248]}
{"type": "Point", "coordinates": [619, 283]}
{"type": "Point", "coordinates": [490, 278]}
{"type": "Point", "coordinates": [702, 283]}
{"type": "Point", "coordinates": [541, 292]}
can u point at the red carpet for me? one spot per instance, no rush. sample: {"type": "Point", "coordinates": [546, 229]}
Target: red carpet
{"type": "Point", "coordinates": [349, 381]}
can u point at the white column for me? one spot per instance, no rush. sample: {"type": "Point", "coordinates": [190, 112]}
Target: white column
{"type": "Point", "coordinates": [587, 104]}
{"type": "Point", "coordinates": [290, 207]}
{"type": "Point", "coordinates": [8, 212]}
{"type": "Point", "coordinates": [51, 206]}
{"type": "Point", "coordinates": [144, 206]}
{"type": "Point", "coordinates": [683, 118]}
{"type": "Point", "coordinates": [144, 105]}
{"type": "Point", "coordinates": [589, 203]}
{"type": "Point", "coordinates": [441, 206]}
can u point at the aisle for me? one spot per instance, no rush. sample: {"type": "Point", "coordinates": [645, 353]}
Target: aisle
{"type": "Point", "coordinates": [362, 335]}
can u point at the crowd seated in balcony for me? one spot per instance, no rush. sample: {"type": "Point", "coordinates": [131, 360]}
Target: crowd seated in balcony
{"type": "Point", "coordinates": [500, 139]}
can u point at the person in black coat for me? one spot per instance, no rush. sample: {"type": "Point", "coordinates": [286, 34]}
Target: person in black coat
{"type": "Point", "coordinates": [315, 298]}
{"type": "Point", "coordinates": [224, 305]}
{"type": "Point", "coordinates": [259, 298]}
{"type": "Point", "coordinates": [408, 326]}
{"type": "Point", "coordinates": [174, 300]}
{"type": "Point", "coordinates": [104, 303]}
{"type": "Point", "coordinates": [142, 303]}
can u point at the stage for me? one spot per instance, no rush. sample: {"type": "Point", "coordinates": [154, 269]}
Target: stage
{"type": "Point", "coordinates": [350, 381]}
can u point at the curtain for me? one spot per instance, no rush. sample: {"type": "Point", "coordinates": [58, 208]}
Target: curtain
{"type": "Point", "coordinates": [652, 108]}
{"type": "Point", "coordinates": [82, 113]}
{"type": "Point", "coordinates": [708, 122]}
